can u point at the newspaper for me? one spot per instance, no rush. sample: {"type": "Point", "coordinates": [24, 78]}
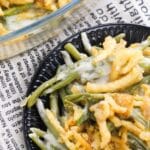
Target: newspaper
{"type": "Point", "coordinates": [16, 73]}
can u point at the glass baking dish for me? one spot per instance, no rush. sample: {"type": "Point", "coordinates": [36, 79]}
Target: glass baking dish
{"type": "Point", "coordinates": [27, 37]}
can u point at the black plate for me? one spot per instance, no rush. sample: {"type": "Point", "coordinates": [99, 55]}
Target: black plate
{"type": "Point", "coordinates": [134, 33]}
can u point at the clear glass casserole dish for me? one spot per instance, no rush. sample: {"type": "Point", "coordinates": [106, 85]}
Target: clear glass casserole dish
{"type": "Point", "coordinates": [33, 34]}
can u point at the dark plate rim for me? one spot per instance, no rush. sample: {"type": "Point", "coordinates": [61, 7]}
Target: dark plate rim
{"type": "Point", "coordinates": [27, 144]}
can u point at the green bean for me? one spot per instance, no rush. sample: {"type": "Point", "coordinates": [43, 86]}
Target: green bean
{"type": "Point", "coordinates": [145, 64]}
{"type": "Point", "coordinates": [17, 9]}
{"type": "Point", "coordinates": [97, 96]}
{"type": "Point", "coordinates": [34, 95]}
{"type": "Point", "coordinates": [53, 148]}
{"type": "Point", "coordinates": [69, 106]}
{"type": "Point", "coordinates": [85, 115]}
{"type": "Point", "coordinates": [119, 37]}
{"type": "Point", "coordinates": [110, 126]}
{"type": "Point", "coordinates": [61, 69]}
{"type": "Point", "coordinates": [84, 112]}
{"type": "Point", "coordinates": [72, 97]}
{"type": "Point", "coordinates": [67, 58]}
{"type": "Point", "coordinates": [62, 94]}
{"type": "Point", "coordinates": [37, 141]}
{"type": "Point", "coordinates": [135, 143]}
{"type": "Point", "coordinates": [148, 125]}
{"type": "Point", "coordinates": [73, 51]}
{"type": "Point", "coordinates": [52, 124]}
{"type": "Point", "coordinates": [53, 142]}
{"type": "Point", "coordinates": [145, 80]}
{"type": "Point", "coordinates": [55, 127]}
{"type": "Point", "coordinates": [38, 132]}
{"type": "Point", "coordinates": [137, 115]}
{"type": "Point", "coordinates": [86, 43]}
{"type": "Point", "coordinates": [41, 110]}
{"type": "Point", "coordinates": [25, 101]}
{"type": "Point", "coordinates": [79, 97]}
{"type": "Point", "coordinates": [86, 98]}
{"type": "Point", "coordinates": [82, 99]}
{"type": "Point", "coordinates": [68, 90]}
{"type": "Point", "coordinates": [62, 120]}
{"type": "Point", "coordinates": [135, 89]}
{"type": "Point", "coordinates": [54, 104]}
{"type": "Point", "coordinates": [71, 77]}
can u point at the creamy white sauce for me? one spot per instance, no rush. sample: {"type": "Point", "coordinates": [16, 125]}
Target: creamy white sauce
{"type": "Point", "coordinates": [86, 70]}
{"type": "Point", "coordinates": [89, 72]}
{"type": "Point", "coordinates": [51, 140]}
{"type": "Point", "coordinates": [40, 108]}
{"type": "Point", "coordinates": [67, 58]}
{"type": "Point", "coordinates": [84, 66]}
{"type": "Point", "coordinates": [86, 42]}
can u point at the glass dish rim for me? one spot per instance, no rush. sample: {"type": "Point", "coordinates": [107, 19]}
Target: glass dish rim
{"type": "Point", "coordinates": [37, 24]}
